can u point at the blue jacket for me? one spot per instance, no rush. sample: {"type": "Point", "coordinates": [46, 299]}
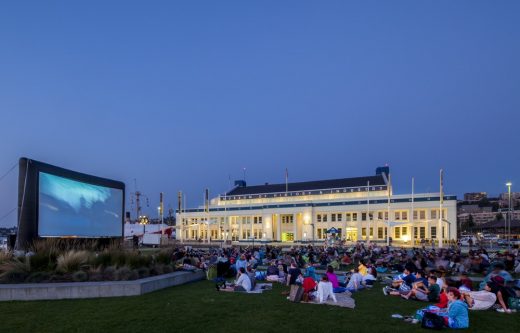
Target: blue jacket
{"type": "Point", "coordinates": [458, 314]}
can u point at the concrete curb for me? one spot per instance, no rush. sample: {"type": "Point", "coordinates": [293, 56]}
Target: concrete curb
{"type": "Point", "coordinates": [78, 290]}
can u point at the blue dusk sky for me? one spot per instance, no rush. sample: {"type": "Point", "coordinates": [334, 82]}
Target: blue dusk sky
{"type": "Point", "coordinates": [184, 95]}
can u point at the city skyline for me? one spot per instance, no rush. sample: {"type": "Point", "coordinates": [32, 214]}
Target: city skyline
{"type": "Point", "coordinates": [184, 96]}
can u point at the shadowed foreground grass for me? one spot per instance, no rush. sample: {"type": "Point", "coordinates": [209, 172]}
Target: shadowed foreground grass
{"type": "Point", "coordinates": [197, 307]}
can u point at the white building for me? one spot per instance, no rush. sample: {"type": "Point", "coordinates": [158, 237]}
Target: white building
{"type": "Point", "coordinates": [306, 211]}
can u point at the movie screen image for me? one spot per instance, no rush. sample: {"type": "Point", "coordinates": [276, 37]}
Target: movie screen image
{"type": "Point", "coordinates": [70, 208]}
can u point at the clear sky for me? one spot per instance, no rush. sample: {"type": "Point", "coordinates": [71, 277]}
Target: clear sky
{"type": "Point", "coordinates": [182, 95]}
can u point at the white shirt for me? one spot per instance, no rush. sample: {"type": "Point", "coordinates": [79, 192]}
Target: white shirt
{"type": "Point", "coordinates": [325, 291]}
{"type": "Point", "coordinates": [355, 281]}
{"type": "Point", "coordinates": [244, 281]}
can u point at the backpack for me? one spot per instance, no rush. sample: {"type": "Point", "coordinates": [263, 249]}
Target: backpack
{"type": "Point", "coordinates": [296, 293]}
{"type": "Point", "coordinates": [432, 321]}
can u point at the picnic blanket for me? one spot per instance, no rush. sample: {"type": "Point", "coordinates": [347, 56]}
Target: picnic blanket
{"type": "Point", "coordinates": [344, 300]}
{"type": "Point", "coordinates": [260, 287]}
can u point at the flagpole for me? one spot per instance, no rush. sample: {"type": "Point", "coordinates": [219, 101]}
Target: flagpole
{"type": "Point", "coordinates": [286, 180]}
{"type": "Point", "coordinates": [441, 199]}
{"type": "Point", "coordinates": [388, 211]}
{"type": "Point", "coordinates": [413, 218]}
{"type": "Point", "coordinates": [368, 211]}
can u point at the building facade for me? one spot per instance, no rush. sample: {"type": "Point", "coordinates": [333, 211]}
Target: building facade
{"type": "Point", "coordinates": [354, 209]}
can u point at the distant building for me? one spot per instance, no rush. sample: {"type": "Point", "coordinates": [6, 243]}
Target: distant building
{"type": "Point", "coordinates": [483, 217]}
{"type": "Point", "coordinates": [475, 196]}
{"type": "Point", "coordinates": [503, 199]}
{"type": "Point", "coordinates": [352, 208]}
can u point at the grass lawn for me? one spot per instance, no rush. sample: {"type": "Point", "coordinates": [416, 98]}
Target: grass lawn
{"type": "Point", "coordinates": [198, 307]}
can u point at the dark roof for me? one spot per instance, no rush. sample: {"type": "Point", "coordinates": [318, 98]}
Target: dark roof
{"type": "Point", "coordinates": [309, 186]}
{"type": "Point", "coordinates": [497, 224]}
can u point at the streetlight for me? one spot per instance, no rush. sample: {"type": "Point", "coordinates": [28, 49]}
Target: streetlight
{"type": "Point", "coordinates": [509, 184]}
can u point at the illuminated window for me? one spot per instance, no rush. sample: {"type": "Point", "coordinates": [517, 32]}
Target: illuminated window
{"type": "Point", "coordinates": [397, 232]}
{"type": "Point", "coordinates": [348, 217]}
{"type": "Point", "coordinates": [433, 232]}
{"type": "Point", "coordinates": [404, 231]}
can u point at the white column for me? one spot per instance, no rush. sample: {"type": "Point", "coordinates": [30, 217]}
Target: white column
{"type": "Point", "coordinates": [295, 226]}
{"type": "Point", "coordinates": [277, 218]}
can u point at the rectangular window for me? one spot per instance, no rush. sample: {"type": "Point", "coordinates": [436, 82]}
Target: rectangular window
{"type": "Point", "coordinates": [433, 232]}
{"type": "Point", "coordinates": [404, 215]}
{"type": "Point", "coordinates": [363, 216]}
{"type": "Point", "coordinates": [397, 216]}
{"type": "Point", "coordinates": [364, 232]}
{"type": "Point", "coordinates": [397, 232]}
{"type": "Point", "coordinates": [422, 232]}
{"type": "Point", "coordinates": [348, 217]}
{"type": "Point", "coordinates": [433, 214]}
{"type": "Point", "coordinates": [319, 233]}
{"type": "Point", "coordinates": [371, 232]}
{"type": "Point", "coordinates": [340, 217]}
{"type": "Point", "coordinates": [415, 232]}
{"type": "Point", "coordinates": [422, 215]}
{"type": "Point", "coordinates": [386, 216]}
{"type": "Point", "coordinates": [325, 217]}
{"type": "Point", "coordinates": [380, 232]}
{"type": "Point", "coordinates": [354, 216]}
{"type": "Point", "coordinates": [379, 215]}
{"type": "Point", "coordinates": [333, 217]}
{"type": "Point", "coordinates": [318, 218]}
{"type": "Point", "coordinates": [404, 231]}
{"type": "Point", "coordinates": [415, 215]}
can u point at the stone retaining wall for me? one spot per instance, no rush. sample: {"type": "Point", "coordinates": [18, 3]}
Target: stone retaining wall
{"type": "Point", "coordinates": [74, 290]}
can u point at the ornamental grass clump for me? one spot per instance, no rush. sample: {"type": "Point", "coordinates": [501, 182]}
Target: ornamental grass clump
{"type": "Point", "coordinates": [14, 271]}
{"type": "Point", "coordinates": [72, 261]}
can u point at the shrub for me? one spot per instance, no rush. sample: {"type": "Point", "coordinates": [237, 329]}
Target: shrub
{"type": "Point", "coordinates": [103, 259]}
{"type": "Point", "coordinates": [14, 271]}
{"type": "Point", "coordinates": [143, 272]}
{"type": "Point", "coordinates": [109, 273]}
{"type": "Point", "coordinates": [137, 260]}
{"type": "Point", "coordinates": [38, 277]}
{"type": "Point", "coordinates": [167, 269]}
{"type": "Point", "coordinates": [41, 262]}
{"type": "Point", "coordinates": [125, 273]}
{"type": "Point", "coordinates": [71, 261]}
{"type": "Point", "coordinates": [95, 274]}
{"type": "Point", "coordinates": [80, 276]}
{"type": "Point", "coordinates": [157, 269]}
{"type": "Point", "coordinates": [164, 257]}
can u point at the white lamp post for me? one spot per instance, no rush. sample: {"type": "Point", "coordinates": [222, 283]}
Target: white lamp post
{"type": "Point", "coordinates": [508, 219]}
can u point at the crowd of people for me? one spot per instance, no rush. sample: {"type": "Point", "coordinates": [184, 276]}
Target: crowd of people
{"type": "Point", "coordinates": [441, 277]}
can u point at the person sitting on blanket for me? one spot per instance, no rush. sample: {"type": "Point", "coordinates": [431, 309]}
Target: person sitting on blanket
{"type": "Point", "coordinates": [334, 280]}
{"type": "Point", "coordinates": [498, 270]}
{"type": "Point", "coordinates": [465, 281]}
{"type": "Point", "coordinates": [401, 285]}
{"type": "Point", "coordinates": [478, 300]}
{"type": "Point", "coordinates": [325, 290]}
{"type": "Point", "coordinates": [425, 292]}
{"type": "Point", "coordinates": [243, 283]}
{"type": "Point", "coordinates": [355, 282]}
{"type": "Point", "coordinates": [455, 316]}
{"type": "Point", "coordinates": [252, 276]}
{"type": "Point", "coordinates": [496, 286]}
{"type": "Point", "coordinates": [309, 287]}
{"type": "Point", "coordinates": [362, 268]}
{"type": "Point", "coordinates": [370, 278]}
{"type": "Point", "coordinates": [272, 272]}
{"type": "Point", "coordinates": [295, 275]}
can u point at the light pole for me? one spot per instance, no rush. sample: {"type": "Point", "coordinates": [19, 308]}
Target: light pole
{"type": "Point", "coordinates": [509, 184]}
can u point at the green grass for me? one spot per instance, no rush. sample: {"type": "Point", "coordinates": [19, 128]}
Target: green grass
{"type": "Point", "coordinates": [197, 307]}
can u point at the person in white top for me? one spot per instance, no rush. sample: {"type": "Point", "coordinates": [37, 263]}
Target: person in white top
{"type": "Point", "coordinates": [243, 283]}
{"type": "Point", "coordinates": [325, 290]}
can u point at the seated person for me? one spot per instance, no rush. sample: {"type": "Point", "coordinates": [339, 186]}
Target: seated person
{"type": "Point", "coordinates": [370, 278]}
{"type": "Point", "coordinates": [498, 270]}
{"type": "Point", "coordinates": [457, 310]}
{"type": "Point", "coordinates": [294, 275]}
{"type": "Point", "coordinates": [478, 300]}
{"type": "Point", "coordinates": [325, 290]}
{"type": "Point", "coordinates": [252, 276]}
{"type": "Point", "coordinates": [309, 287]}
{"type": "Point", "coordinates": [310, 271]}
{"type": "Point", "coordinates": [401, 285]}
{"type": "Point", "coordinates": [272, 272]}
{"type": "Point", "coordinates": [362, 268]}
{"type": "Point", "coordinates": [243, 283]}
{"type": "Point", "coordinates": [496, 286]}
{"type": "Point", "coordinates": [356, 281]}
{"type": "Point", "coordinates": [425, 292]}
{"type": "Point", "coordinates": [334, 280]}
{"type": "Point", "coordinates": [465, 281]}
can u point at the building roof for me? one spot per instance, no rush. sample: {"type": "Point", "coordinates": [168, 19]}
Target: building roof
{"type": "Point", "coordinates": [377, 180]}
{"type": "Point", "coordinates": [497, 224]}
